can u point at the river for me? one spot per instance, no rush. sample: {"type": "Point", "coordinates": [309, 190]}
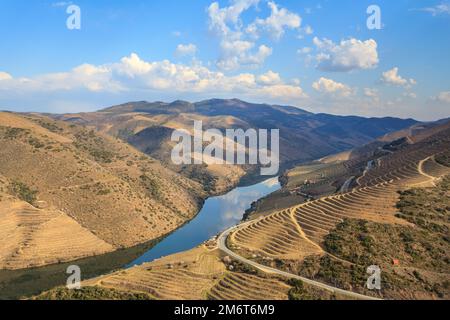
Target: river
{"type": "Point", "coordinates": [218, 214]}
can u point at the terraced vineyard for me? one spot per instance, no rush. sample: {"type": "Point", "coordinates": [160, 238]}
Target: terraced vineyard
{"type": "Point", "coordinates": [182, 276]}
{"type": "Point", "coordinates": [163, 284]}
{"type": "Point", "coordinates": [241, 286]}
{"type": "Point", "coordinates": [35, 237]}
{"type": "Point", "coordinates": [277, 235]}
{"type": "Point", "coordinates": [193, 275]}
{"type": "Point", "coordinates": [299, 231]}
{"type": "Point", "coordinates": [198, 274]}
{"type": "Point", "coordinates": [317, 179]}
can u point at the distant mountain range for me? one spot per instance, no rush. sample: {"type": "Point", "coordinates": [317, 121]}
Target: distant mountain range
{"type": "Point", "coordinates": [304, 136]}
{"type": "Point", "coordinates": [316, 134]}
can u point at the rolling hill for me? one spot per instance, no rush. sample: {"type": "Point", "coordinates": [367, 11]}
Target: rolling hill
{"type": "Point", "coordinates": [58, 179]}
{"type": "Point", "coordinates": [304, 136]}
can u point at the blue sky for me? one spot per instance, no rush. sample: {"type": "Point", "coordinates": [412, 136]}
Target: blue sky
{"type": "Point", "coordinates": [317, 55]}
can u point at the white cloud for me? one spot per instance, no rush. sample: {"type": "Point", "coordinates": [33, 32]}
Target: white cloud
{"type": "Point", "coordinates": [238, 46]}
{"type": "Point", "coordinates": [176, 33]}
{"type": "Point", "coordinates": [86, 76]}
{"type": "Point", "coordinates": [304, 50]}
{"type": "Point", "coordinates": [186, 50]}
{"type": "Point", "coordinates": [236, 51]}
{"type": "Point", "coordinates": [221, 18]}
{"type": "Point", "coordinates": [443, 8]}
{"type": "Point", "coordinates": [371, 93]}
{"type": "Point", "coordinates": [270, 78]}
{"type": "Point", "coordinates": [236, 54]}
{"type": "Point", "coordinates": [282, 92]}
{"type": "Point", "coordinates": [392, 77]}
{"type": "Point", "coordinates": [443, 97]}
{"type": "Point", "coordinates": [133, 74]}
{"type": "Point", "coordinates": [5, 76]}
{"type": "Point", "coordinates": [329, 86]}
{"type": "Point", "coordinates": [133, 66]}
{"type": "Point", "coordinates": [61, 4]}
{"type": "Point", "coordinates": [351, 54]}
{"type": "Point", "coordinates": [307, 30]}
{"type": "Point", "coordinates": [411, 95]}
{"type": "Point", "coordinates": [276, 23]}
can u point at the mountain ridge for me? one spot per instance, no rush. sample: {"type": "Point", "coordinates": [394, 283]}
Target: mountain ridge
{"type": "Point", "coordinates": [304, 136]}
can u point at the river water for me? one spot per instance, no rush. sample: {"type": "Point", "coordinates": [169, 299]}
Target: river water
{"type": "Point", "coordinates": [218, 214]}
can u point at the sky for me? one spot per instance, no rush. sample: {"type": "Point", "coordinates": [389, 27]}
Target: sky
{"type": "Point", "coordinates": [318, 55]}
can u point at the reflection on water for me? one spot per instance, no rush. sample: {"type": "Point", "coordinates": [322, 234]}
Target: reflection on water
{"type": "Point", "coordinates": [218, 214]}
{"type": "Point", "coordinates": [16, 284]}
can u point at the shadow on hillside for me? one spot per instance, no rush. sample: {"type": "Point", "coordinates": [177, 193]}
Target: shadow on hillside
{"type": "Point", "coordinates": [16, 284]}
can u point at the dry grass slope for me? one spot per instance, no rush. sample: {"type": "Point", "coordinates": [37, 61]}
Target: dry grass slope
{"type": "Point", "coordinates": [31, 237]}
{"type": "Point", "coordinates": [104, 186]}
{"type": "Point", "coordinates": [241, 286]}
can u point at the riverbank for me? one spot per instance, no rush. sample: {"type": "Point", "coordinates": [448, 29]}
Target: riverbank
{"type": "Point", "coordinates": [217, 214]}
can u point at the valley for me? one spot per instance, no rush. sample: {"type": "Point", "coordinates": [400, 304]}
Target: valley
{"type": "Point", "coordinates": [304, 136]}
{"type": "Point", "coordinates": [106, 178]}
{"type": "Point", "coordinates": [223, 159]}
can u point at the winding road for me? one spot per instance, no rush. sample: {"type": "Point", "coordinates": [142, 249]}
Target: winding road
{"type": "Point", "coordinates": [346, 186]}
{"type": "Point", "coordinates": [222, 244]}
{"type": "Point", "coordinates": [222, 240]}
{"type": "Point", "coordinates": [421, 171]}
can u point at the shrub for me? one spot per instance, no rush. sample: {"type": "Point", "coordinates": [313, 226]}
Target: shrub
{"type": "Point", "coordinates": [443, 159]}
{"type": "Point", "coordinates": [50, 126]}
{"type": "Point", "coordinates": [298, 291]}
{"type": "Point", "coordinates": [151, 185]}
{"type": "Point", "coordinates": [101, 155]}
{"type": "Point", "coordinates": [13, 133]}
{"type": "Point", "coordinates": [36, 143]}
{"type": "Point", "coordinates": [103, 192]}
{"type": "Point", "coordinates": [91, 293]}
{"type": "Point", "coordinates": [23, 192]}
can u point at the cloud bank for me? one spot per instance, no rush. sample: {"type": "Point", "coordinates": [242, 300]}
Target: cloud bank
{"type": "Point", "coordinates": [133, 74]}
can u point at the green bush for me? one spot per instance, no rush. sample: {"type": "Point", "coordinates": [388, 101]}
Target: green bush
{"type": "Point", "coordinates": [103, 192]}
{"type": "Point", "coordinates": [443, 158]}
{"type": "Point", "coordinates": [13, 133]}
{"type": "Point", "coordinates": [23, 192]}
{"type": "Point", "coordinates": [152, 185]}
{"type": "Point", "coordinates": [298, 291]}
{"type": "Point", "coordinates": [91, 293]}
{"type": "Point", "coordinates": [36, 143]}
